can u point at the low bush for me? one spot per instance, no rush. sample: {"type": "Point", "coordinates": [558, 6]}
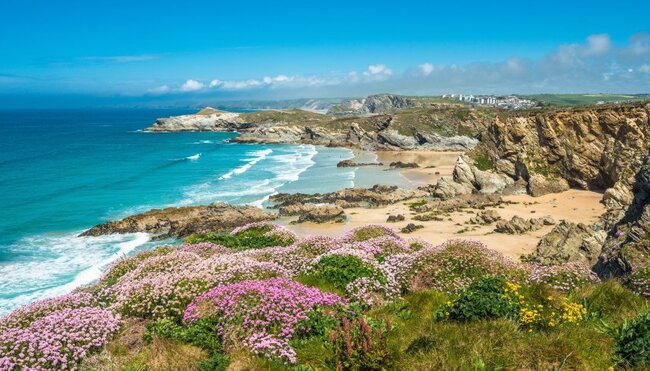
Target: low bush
{"type": "Point", "coordinates": [59, 340]}
{"type": "Point", "coordinates": [250, 236]}
{"type": "Point", "coordinates": [458, 263]}
{"type": "Point", "coordinates": [262, 316]}
{"type": "Point", "coordinates": [633, 341]}
{"type": "Point", "coordinates": [340, 270]}
{"type": "Point", "coordinates": [201, 334]}
{"type": "Point", "coordinates": [482, 300]}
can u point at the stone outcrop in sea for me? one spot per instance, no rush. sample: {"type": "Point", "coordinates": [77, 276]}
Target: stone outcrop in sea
{"type": "Point", "coordinates": [184, 221]}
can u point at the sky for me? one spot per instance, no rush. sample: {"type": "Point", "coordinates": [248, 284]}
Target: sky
{"type": "Point", "coordinates": [80, 53]}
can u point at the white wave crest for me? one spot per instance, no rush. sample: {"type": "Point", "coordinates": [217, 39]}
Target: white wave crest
{"type": "Point", "coordinates": [60, 264]}
{"type": "Point", "coordinates": [258, 156]}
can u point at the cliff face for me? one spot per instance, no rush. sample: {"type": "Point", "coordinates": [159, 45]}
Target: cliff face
{"type": "Point", "coordinates": [594, 148]}
{"type": "Point", "coordinates": [374, 104]}
{"type": "Point", "coordinates": [395, 131]}
{"type": "Point", "coordinates": [599, 148]}
{"type": "Point", "coordinates": [208, 119]}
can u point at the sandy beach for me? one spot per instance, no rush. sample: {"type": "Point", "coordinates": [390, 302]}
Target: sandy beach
{"type": "Point", "coordinates": [574, 205]}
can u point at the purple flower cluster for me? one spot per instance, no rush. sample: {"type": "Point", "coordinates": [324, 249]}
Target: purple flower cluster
{"type": "Point", "coordinates": [456, 264]}
{"type": "Point", "coordinates": [58, 340]}
{"type": "Point", "coordinates": [205, 249]}
{"type": "Point", "coordinates": [162, 286]}
{"type": "Point", "coordinates": [565, 277]}
{"type": "Point", "coordinates": [24, 316]}
{"type": "Point", "coordinates": [263, 314]}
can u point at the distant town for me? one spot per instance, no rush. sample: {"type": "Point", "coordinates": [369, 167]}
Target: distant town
{"type": "Point", "coordinates": [506, 101]}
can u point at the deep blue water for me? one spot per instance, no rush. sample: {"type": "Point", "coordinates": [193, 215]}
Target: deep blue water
{"type": "Point", "coordinates": [63, 171]}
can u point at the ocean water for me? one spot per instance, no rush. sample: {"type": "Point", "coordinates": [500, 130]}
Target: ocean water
{"type": "Point", "coordinates": [63, 171]}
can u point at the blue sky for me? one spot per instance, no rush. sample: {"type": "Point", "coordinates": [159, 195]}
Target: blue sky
{"type": "Point", "coordinates": [122, 52]}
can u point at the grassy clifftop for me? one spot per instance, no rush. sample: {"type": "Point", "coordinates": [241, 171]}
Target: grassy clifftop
{"type": "Point", "coordinates": [261, 298]}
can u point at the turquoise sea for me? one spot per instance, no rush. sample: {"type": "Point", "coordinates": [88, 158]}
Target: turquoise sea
{"type": "Point", "coordinates": [63, 171]}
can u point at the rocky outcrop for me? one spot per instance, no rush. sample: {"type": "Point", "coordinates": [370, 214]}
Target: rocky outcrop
{"type": "Point", "coordinates": [411, 227]}
{"type": "Point", "coordinates": [467, 178]}
{"type": "Point", "coordinates": [351, 163]}
{"type": "Point", "coordinates": [473, 201]}
{"type": "Point", "coordinates": [350, 197]}
{"type": "Point", "coordinates": [485, 217]}
{"type": "Point", "coordinates": [569, 242]}
{"type": "Point", "coordinates": [403, 165]}
{"type": "Point", "coordinates": [374, 104]}
{"type": "Point", "coordinates": [519, 225]}
{"type": "Point", "coordinates": [591, 148]}
{"type": "Point", "coordinates": [322, 214]}
{"type": "Point", "coordinates": [395, 218]}
{"type": "Point", "coordinates": [208, 119]}
{"type": "Point", "coordinates": [183, 221]}
{"type": "Point", "coordinates": [627, 247]}
{"type": "Point", "coordinates": [539, 185]}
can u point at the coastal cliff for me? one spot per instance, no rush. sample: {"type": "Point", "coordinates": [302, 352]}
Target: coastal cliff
{"type": "Point", "coordinates": [386, 122]}
{"type": "Point", "coordinates": [536, 152]}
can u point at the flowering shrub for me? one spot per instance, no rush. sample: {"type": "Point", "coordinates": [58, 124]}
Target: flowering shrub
{"type": "Point", "coordinates": [124, 265]}
{"type": "Point", "coordinates": [545, 312]}
{"type": "Point", "coordinates": [262, 315]}
{"type": "Point", "coordinates": [359, 346]}
{"type": "Point", "coordinates": [163, 286]}
{"type": "Point", "coordinates": [58, 340]}
{"type": "Point", "coordinates": [367, 232]}
{"type": "Point", "coordinates": [456, 264]}
{"type": "Point", "coordinates": [565, 277]}
{"type": "Point", "coordinates": [494, 297]}
{"type": "Point", "coordinates": [24, 316]}
{"type": "Point", "coordinates": [205, 249]}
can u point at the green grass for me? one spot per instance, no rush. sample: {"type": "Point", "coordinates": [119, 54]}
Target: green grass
{"type": "Point", "coordinates": [567, 100]}
{"type": "Point", "coordinates": [253, 238]}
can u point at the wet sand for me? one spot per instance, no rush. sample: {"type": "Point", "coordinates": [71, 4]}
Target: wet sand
{"type": "Point", "coordinates": [433, 164]}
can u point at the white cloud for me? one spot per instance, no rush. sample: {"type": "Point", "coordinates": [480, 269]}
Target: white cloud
{"type": "Point", "coordinates": [594, 65]}
{"type": "Point", "coordinates": [192, 85]}
{"type": "Point", "coordinates": [426, 68]}
{"type": "Point", "coordinates": [378, 70]}
{"type": "Point", "coordinates": [597, 45]}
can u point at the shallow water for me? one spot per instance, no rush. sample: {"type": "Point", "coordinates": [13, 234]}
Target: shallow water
{"type": "Point", "coordinates": [64, 171]}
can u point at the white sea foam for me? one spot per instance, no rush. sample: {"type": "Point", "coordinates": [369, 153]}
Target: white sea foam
{"type": "Point", "coordinates": [193, 157]}
{"type": "Point", "coordinates": [204, 142]}
{"type": "Point", "coordinates": [285, 165]}
{"type": "Point", "coordinates": [257, 157]}
{"type": "Point", "coordinates": [60, 263]}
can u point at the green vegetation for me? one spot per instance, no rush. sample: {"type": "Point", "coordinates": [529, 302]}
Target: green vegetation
{"type": "Point", "coordinates": [568, 100]}
{"type": "Point", "coordinates": [338, 271]}
{"type": "Point", "coordinates": [200, 334]}
{"type": "Point", "coordinates": [633, 341]}
{"type": "Point", "coordinates": [484, 299]}
{"type": "Point", "coordinates": [252, 238]}
{"type": "Point", "coordinates": [413, 206]}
